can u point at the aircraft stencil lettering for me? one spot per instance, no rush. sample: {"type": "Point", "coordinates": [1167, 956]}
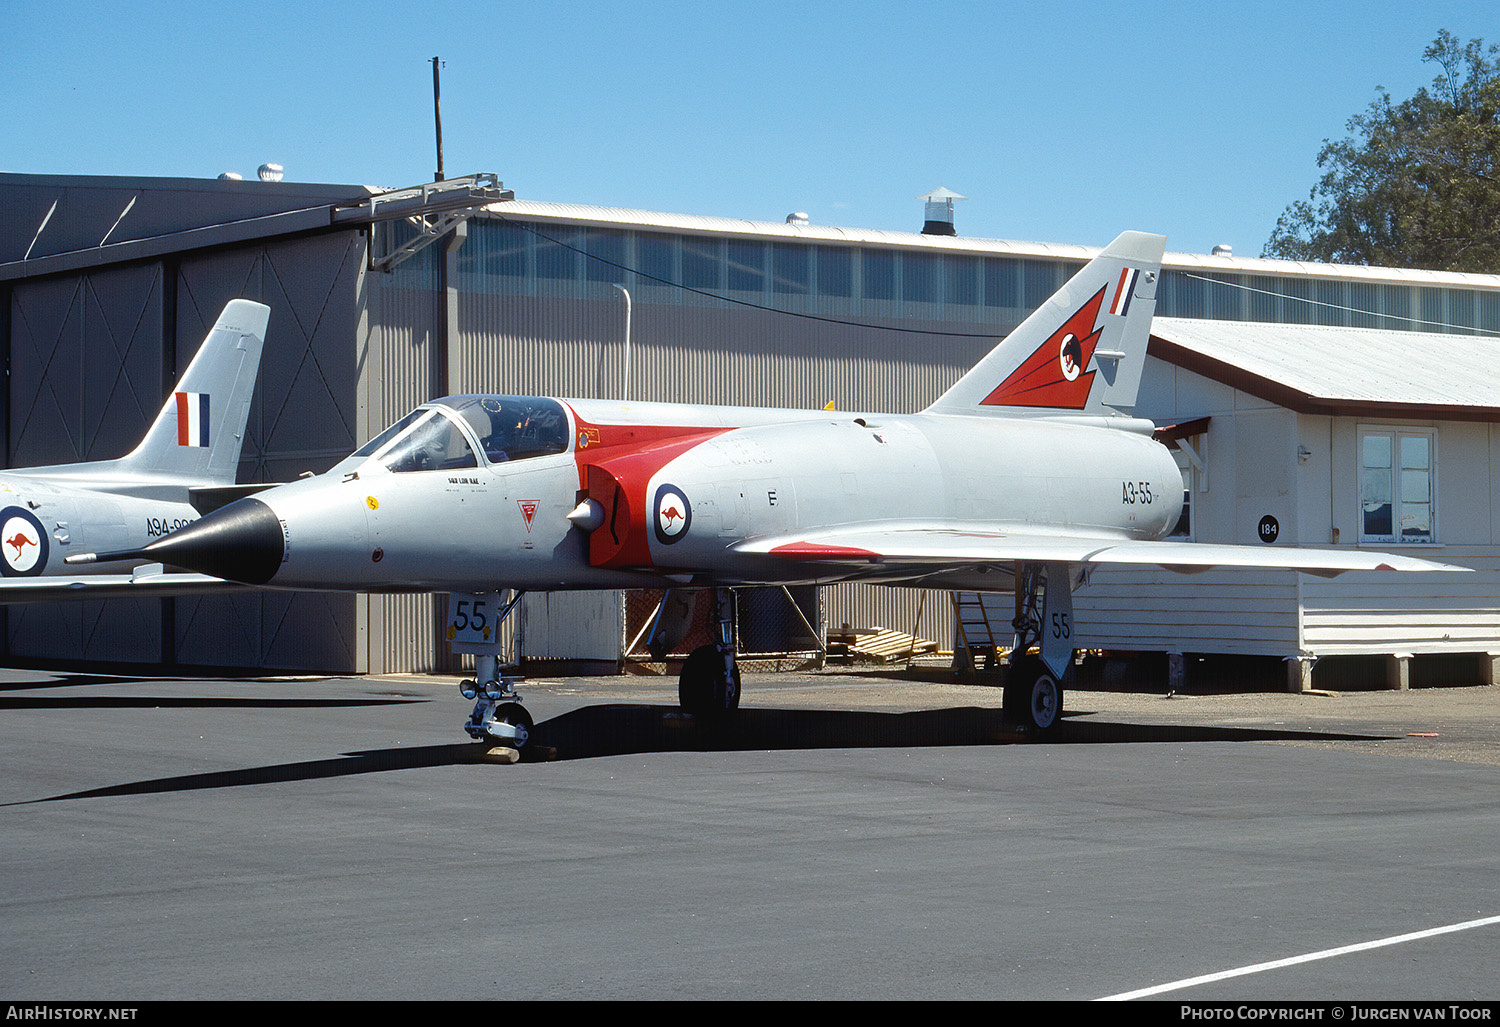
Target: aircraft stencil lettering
{"type": "Point", "coordinates": [897, 499]}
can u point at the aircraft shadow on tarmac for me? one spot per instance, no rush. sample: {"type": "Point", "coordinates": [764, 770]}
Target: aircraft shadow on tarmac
{"type": "Point", "coordinates": [66, 681]}
{"type": "Point", "coordinates": [148, 702]}
{"type": "Point", "coordinates": [49, 681]}
{"type": "Point", "coordinates": [613, 730]}
{"type": "Point", "coordinates": [620, 729]}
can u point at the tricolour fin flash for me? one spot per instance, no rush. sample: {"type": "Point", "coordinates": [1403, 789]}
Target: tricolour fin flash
{"type": "Point", "coordinates": [1082, 350]}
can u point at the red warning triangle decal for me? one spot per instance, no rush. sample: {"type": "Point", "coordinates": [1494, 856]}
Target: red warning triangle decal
{"type": "Point", "coordinates": [528, 511]}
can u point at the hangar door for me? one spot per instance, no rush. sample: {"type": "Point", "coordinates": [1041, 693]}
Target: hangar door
{"type": "Point", "coordinates": [86, 380]}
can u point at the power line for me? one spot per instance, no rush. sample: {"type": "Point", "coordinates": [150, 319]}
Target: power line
{"type": "Point", "coordinates": [1339, 306]}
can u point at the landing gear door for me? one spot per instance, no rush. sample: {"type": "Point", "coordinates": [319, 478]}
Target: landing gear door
{"type": "Point", "coordinates": [1057, 620]}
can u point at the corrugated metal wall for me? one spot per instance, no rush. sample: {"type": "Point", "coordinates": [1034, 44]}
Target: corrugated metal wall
{"type": "Point", "coordinates": [694, 354]}
{"type": "Point", "coordinates": [399, 369]}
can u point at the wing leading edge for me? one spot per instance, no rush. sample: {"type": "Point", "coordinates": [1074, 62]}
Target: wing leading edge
{"type": "Point", "coordinates": [958, 547]}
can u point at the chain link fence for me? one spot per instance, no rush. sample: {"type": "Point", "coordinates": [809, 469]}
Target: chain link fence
{"type": "Point", "coordinates": [775, 627]}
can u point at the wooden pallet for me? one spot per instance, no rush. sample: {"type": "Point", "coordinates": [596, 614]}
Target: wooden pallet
{"type": "Point", "coordinates": [885, 646]}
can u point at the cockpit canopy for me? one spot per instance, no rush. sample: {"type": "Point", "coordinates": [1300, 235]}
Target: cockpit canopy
{"type": "Point", "coordinates": [433, 438]}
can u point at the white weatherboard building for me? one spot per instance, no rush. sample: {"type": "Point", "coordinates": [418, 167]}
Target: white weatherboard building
{"type": "Point", "coordinates": [1323, 436]}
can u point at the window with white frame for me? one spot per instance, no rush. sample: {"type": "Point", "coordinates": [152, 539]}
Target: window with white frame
{"type": "Point", "coordinates": [1187, 451]}
{"type": "Point", "coordinates": [1183, 529]}
{"type": "Point", "coordinates": [1396, 486]}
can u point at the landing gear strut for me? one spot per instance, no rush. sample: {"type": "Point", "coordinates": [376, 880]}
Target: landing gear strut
{"type": "Point", "coordinates": [1033, 697]}
{"type": "Point", "coordinates": [498, 717]}
{"type": "Point", "coordinates": [710, 681]}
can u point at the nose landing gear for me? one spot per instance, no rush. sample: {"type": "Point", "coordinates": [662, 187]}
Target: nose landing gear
{"type": "Point", "coordinates": [498, 718]}
{"type": "Point", "coordinates": [498, 715]}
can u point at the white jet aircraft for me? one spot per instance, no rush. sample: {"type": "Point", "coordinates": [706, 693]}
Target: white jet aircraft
{"type": "Point", "coordinates": [1025, 473]}
{"type": "Point", "coordinates": [188, 459]}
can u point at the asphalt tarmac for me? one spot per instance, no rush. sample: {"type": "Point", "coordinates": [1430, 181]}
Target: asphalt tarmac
{"type": "Point", "coordinates": [849, 837]}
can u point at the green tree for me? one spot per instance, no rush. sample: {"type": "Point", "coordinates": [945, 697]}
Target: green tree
{"type": "Point", "coordinates": [1417, 183]}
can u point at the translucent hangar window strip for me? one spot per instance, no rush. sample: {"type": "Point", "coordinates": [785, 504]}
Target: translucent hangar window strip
{"type": "Point", "coordinates": [840, 284]}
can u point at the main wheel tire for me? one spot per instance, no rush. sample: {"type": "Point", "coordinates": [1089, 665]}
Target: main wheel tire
{"type": "Point", "coordinates": [1033, 696]}
{"type": "Point", "coordinates": [706, 686]}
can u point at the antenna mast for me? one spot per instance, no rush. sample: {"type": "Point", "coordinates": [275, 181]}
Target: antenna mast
{"type": "Point", "coordinates": [437, 115]}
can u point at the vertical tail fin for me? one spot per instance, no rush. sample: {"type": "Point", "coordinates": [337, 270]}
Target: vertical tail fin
{"type": "Point", "coordinates": [199, 431]}
{"type": "Point", "coordinates": [1082, 350]}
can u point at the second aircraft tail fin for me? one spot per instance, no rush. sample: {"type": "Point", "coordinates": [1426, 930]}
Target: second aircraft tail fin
{"type": "Point", "coordinates": [199, 431]}
{"type": "Point", "coordinates": [1082, 350]}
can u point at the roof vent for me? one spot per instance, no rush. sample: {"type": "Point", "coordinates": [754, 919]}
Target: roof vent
{"type": "Point", "coordinates": [231, 176]}
{"type": "Point", "coordinates": [938, 219]}
{"type": "Point", "coordinates": [799, 218]}
{"type": "Point", "coordinates": [1223, 250]}
{"type": "Point", "coordinates": [270, 172]}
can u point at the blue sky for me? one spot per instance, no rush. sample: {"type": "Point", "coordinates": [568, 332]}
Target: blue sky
{"type": "Point", "coordinates": [1061, 122]}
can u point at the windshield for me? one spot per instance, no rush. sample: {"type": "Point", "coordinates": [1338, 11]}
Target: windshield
{"type": "Point", "coordinates": [379, 441]}
{"type": "Point", "coordinates": [423, 440]}
{"type": "Point", "coordinates": [514, 427]}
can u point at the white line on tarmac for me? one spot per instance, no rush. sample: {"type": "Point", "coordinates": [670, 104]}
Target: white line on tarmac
{"type": "Point", "coordinates": [1294, 960]}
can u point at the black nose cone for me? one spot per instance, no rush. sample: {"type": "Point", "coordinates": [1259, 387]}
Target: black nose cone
{"type": "Point", "coordinates": [240, 542]}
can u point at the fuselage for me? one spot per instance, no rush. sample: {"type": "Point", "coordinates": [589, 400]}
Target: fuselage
{"type": "Point", "coordinates": [474, 493]}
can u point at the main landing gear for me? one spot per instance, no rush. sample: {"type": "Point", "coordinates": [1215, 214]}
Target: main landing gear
{"type": "Point", "coordinates": [710, 682]}
{"type": "Point", "coordinates": [1033, 696]}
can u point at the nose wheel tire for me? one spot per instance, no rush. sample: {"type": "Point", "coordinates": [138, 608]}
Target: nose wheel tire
{"type": "Point", "coordinates": [510, 724]}
{"type": "Point", "coordinates": [500, 723]}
